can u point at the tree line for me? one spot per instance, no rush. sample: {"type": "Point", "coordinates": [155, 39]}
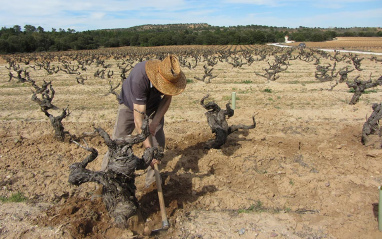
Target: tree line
{"type": "Point", "coordinates": [36, 39]}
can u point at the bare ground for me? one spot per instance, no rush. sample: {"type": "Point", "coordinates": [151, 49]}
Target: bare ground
{"type": "Point", "coordinates": [301, 173]}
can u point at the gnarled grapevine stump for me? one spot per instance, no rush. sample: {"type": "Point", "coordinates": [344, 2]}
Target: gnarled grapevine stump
{"type": "Point", "coordinates": [371, 126]}
{"type": "Point", "coordinates": [216, 118]}
{"type": "Point", "coordinates": [45, 104]}
{"type": "Point", "coordinates": [56, 122]}
{"type": "Point", "coordinates": [118, 180]}
{"type": "Point", "coordinates": [359, 87]}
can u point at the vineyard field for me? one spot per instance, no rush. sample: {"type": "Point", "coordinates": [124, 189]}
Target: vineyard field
{"type": "Point", "coordinates": [302, 172]}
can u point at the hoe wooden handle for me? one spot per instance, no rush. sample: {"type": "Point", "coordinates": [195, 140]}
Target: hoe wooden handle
{"type": "Point", "coordinates": [165, 223]}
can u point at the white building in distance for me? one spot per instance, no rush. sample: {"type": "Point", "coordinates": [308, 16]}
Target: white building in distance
{"type": "Point", "coordinates": [287, 40]}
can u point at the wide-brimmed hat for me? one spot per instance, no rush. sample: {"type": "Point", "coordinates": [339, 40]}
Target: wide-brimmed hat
{"type": "Point", "coordinates": [166, 75]}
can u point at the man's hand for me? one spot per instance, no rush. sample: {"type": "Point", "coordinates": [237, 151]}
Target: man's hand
{"type": "Point", "coordinates": [153, 162]}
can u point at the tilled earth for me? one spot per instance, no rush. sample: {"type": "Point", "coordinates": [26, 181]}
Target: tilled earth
{"type": "Point", "coordinates": [301, 173]}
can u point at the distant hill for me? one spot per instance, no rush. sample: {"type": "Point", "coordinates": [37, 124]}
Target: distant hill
{"type": "Point", "coordinates": [351, 31]}
{"type": "Point", "coordinates": [35, 39]}
{"type": "Point", "coordinates": [170, 27]}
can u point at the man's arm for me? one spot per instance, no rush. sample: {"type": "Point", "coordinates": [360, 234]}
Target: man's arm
{"type": "Point", "coordinates": [162, 109]}
{"type": "Point", "coordinates": [140, 110]}
{"type": "Point", "coordinates": [139, 114]}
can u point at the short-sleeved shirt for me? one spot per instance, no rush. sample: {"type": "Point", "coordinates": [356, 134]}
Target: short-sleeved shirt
{"type": "Point", "coordinates": [138, 89]}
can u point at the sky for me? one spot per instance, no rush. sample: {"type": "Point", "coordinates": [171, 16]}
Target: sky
{"type": "Point", "coordinates": [82, 15]}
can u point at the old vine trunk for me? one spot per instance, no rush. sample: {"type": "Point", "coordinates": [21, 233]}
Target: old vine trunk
{"type": "Point", "coordinates": [118, 180]}
{"type": "Point", "coordinates": [216, 118]}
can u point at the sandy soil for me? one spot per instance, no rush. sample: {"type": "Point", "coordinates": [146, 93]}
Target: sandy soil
{"type": "Point", "coordinates": [301, 173]}
{"type": "Point", "coordinates": [367, 44]}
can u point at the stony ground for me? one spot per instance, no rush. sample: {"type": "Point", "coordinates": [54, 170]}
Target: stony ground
{"type": "Point", "coordinates": [301, 173]}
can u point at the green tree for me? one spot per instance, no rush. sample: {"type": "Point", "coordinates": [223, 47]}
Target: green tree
{"type": "Point", "coordinates": [258, 37]}
{"type": "Point", "coordinates": [124, 41]}
{"type": "Point", "coordinates": [270, 37]}
{"type": "Point", "coordinates": [17, 29]}
{"type": "Point", "coordinates": [43, 42]}
{"type": "Point", "coordinates": [329, 35]}
{"type": "Point", "coordinates": [349, 34]}
{"type": "Point", "coordinates": [113, 42]}
{"type": "Point", "coordinates": [84, 42]}
{"type": "Point", "coordinates": [29, 28]}
{"type": "Point", "coordinates": [134, 40]}
{"type": "Point", "coordinates": [40, 29]}
{"type": "Point", "coordinates": [317, 37]}
{"type": "Point", "coordinates": [4, 46]}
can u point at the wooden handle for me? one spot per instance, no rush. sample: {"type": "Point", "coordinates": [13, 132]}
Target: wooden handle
{"type": "Point", "coordinates": [165, 224]}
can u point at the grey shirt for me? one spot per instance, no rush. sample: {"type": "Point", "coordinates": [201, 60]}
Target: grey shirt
{"type": "Point", "coordinates": [137, 89]}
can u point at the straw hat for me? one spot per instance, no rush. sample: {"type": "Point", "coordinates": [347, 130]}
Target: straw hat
{"type": "Point", "coordinates": [166, 75]}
